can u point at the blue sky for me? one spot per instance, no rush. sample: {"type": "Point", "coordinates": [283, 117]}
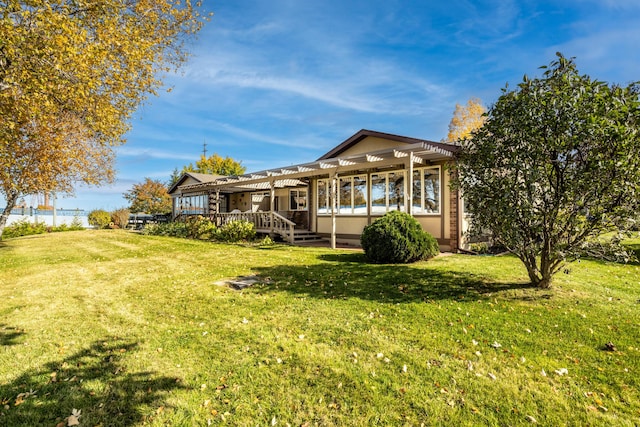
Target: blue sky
{"type": "Point", "coordinates": [281, 82]}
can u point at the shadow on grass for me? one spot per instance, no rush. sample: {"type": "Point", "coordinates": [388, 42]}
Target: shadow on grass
{"type": "Point", "coordinates": [349, 276]}
{"type": "Point", "coordinates": [95, 381]}
{"type": "Point", "coordinates": [9, 335]}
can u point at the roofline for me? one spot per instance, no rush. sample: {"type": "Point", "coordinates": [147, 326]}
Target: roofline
{"type": "Point", "coordinates": [184, 175]}
{"type": "Point", "coordinates": [363, 133]}
{"type": "Point", "coordinates": [347, 163]}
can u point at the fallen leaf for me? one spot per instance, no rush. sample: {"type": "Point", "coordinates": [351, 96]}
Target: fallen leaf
{"type": "Point", "coordinates": [492, 376]}
{"type": "Point", "coordinates": [561, 371]}
{"type": "Point", "coordinates": [531, 419]}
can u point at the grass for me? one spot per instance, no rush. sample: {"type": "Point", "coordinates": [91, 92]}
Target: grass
{"type": "Point", "coordinates": [135, 330]}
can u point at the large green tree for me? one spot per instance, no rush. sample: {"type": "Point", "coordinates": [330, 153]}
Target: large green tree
{"type": "Point", "coordinates": [72, 72]}
{"type": "Point", "coordinates": [216, 165]}
{"type": "Point", "coordinates": [150, 197]}
{"type": "Point", "coordinates": [556, 163]}
{"type": "Point", "coordinates": [213, 165]}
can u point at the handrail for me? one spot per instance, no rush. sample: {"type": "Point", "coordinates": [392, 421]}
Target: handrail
{"type": "Point", "coordinates": [272, 221]}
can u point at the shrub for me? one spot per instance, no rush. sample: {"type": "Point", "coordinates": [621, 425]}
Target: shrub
{"type": "Point", "coordinates": [99, 218]}
{"type": "Point", "coordinates": [171, 229]}
{"type": "Point", "coordinates": [266, 241]}
{"type": "Point", "coordinates": [396, 238]}
{"type": "Point", "coordinates": [24, 227]}
{"type": "Point", "coordinates": [120, 217]}
{"type": "Point", "coordinates": [199, 227]}
{"type": "Point", "coordinates": [76, 224]}
{"type": "Point", "coordinates": [236, 231]}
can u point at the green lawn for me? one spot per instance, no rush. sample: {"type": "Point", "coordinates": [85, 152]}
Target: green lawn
{"type": "Point", "coordinates": [135, 330]}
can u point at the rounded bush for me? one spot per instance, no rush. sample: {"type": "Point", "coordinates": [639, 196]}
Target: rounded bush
{"type": "Point", "coordinates": [397, 238]}
{"type": "Point", "coordinates": [99, 218]}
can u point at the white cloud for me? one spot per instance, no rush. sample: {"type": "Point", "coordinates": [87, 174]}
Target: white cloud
{"type": "Point", "coordinates": [152, 153]}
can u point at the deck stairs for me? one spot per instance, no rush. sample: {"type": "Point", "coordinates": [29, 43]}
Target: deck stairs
{"type": "Point", "coordinates": [306, 236]}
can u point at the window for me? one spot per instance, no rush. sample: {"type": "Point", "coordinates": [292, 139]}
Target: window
{"type": "Point", "coordinates": [197, 204]}
{"type": "Point", "coordinates": [378, 193]}
{"type": "Point", "coordinates": [323, 196]}
{"type": "Point", "coordinates": [360, 195]}
{"type": "Point", "coordinates": [261, 202]}
{"type": "Point", "coordinates": [344, 195]}
{"type": "Point", "coordinates": [352, 196]}
{"type": "Point", "coordinates": [426, 191]}
{"type": "Point", "coordinates": [396, 191]}
{"type": "Point", "coordinates": [298, 200]}
{"type": "Point", "coordinates": [387, 192]}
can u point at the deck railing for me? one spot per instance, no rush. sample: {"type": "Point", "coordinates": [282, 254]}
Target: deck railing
{"type": "Point", "coordinates": [265, 222]}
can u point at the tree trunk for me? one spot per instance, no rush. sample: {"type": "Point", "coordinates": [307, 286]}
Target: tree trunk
{"type": "Point", "coordinates": [12, 198]}
{"type": "Point", "coordinates": [540, 276]}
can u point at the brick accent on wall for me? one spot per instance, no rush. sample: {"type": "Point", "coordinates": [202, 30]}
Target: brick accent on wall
{"type": "Point", "coordinates": [453, 218]}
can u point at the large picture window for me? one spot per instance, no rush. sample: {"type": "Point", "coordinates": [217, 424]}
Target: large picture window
{"type": "Point", "coordinates": [352, 196]}
{"type": "Point", "coordinates": [387, 192]}
{"type": "Point", "coordinates": [196, 204]}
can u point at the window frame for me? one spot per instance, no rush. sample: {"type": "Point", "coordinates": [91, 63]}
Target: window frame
{"type": "Point", "coordinates": [306, 198]}
{"type": "Point", "coordinates": [438, 194]}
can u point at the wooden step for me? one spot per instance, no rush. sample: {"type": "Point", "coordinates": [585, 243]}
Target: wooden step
{"type": "Point", "coordinates": [306, 236]}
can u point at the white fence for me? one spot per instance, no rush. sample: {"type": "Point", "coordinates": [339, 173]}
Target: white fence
{"type": "Point", "coordinates": [62, 216]}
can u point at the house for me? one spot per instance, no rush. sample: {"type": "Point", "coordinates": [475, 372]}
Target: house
{"type": "Point", "coordinates": [337, 195]}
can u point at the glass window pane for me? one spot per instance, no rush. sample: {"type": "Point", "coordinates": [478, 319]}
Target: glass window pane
{"type": "Point", "coordinates": [302, 200]}
{"type": "Point", "coordinates": [378, 193]}
{"type": "Point", "coordinates": [432, 191]}
{"type": "Point", "coordinates": [322, 197]}
{"type": "Point", "coordinates": [416, 206]}
{"type": "Point", "coordinates": [360, 195]}
{"type": "Point", "coordinates": [298, 200]}
{"type": "Point", "coordinates": [344, 195]}
{"type": "Point", "coordinates": [396, 191]}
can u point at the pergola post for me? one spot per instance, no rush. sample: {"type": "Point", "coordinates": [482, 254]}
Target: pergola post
{"type": "Point", "coordinates": [333, 198]}
{"type": "Point", "coordinates": [272, 203]}
{"type": "Point", "coordinates": [408, 207]}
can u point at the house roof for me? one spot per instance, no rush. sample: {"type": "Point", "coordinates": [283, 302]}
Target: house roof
{"type": "Point", "coordinates": [364, 133]}
{"type": "Point", "coordinates": [200, 177]}
{"type": "Point", "coordinates": [421, 152]}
